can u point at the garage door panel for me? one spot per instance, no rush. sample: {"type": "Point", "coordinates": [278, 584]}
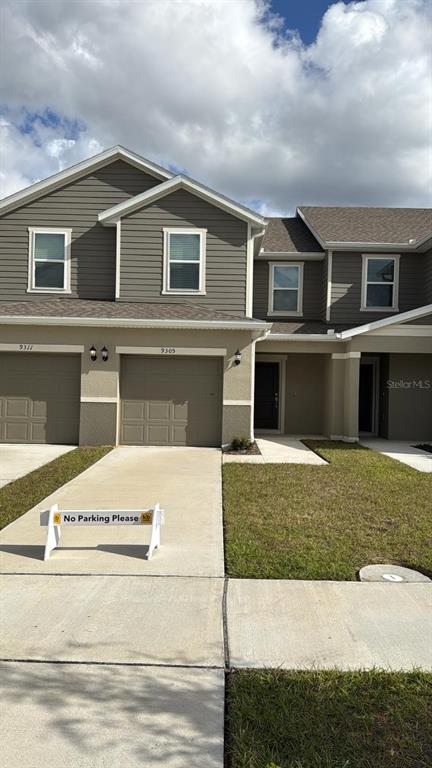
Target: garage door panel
{"type": "Point", "coordinates": [39, 398]}
{"type": "Point", "coordinates": [175, 401]}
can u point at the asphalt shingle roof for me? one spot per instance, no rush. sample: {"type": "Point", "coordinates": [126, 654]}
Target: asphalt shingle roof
{"type": "Point", "coordinates": [369, 225]}
{"type": "Point", "coordinates": [84, 308]}
{"type": "Point", "coordinates": [289, 235]}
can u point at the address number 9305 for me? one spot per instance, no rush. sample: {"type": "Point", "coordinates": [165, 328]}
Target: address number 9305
{"type": "Point", "coordinates": [168, 350]}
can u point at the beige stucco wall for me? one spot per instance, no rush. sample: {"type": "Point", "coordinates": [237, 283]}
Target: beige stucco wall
{"type": "Point", "coordinates": [410, 397]}
{"type": "Point", "coordinates": [101, 380]}
{"type": "Point", "coordinates": [305, 394]}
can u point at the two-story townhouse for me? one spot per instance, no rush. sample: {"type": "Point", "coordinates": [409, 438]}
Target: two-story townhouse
{"type": "Point", "coordinates": [141, 307]}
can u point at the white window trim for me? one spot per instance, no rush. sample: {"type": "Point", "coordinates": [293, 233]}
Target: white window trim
{"type": "Point", "coordinates": [167, 231]}
{"type": "Point", "coordinates": [395, 257]}
{"type": "Point", "coordinates": [67, 232]}
{"type": "Point", "coordinates": [284, 313]}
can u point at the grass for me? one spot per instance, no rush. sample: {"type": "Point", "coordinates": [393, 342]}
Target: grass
{"type": "Point", "coordinates": [331, 719]}
{"type": "Point", "coordinates": [291, 521]}
{"type": "Point", "coordinates": [23, 494]}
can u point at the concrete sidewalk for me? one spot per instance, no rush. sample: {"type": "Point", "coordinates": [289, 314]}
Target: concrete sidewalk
{"type": "Point", "coordinates": [186, 482]}
{"type": "Point", "coordinates": [104, 716]}
{"type": "Point", "coordinates": [325, 625]}
{"type": "Point", "coordinates": [402, 451]}
{"type": "Point", "coordinates": [18, 460]}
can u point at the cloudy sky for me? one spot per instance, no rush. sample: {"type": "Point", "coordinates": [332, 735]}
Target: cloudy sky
{"type": "Point", "coordinates": [274, 104]}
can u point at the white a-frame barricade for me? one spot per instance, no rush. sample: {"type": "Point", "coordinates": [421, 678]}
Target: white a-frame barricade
{"type": "Point", "coordinates": [54, 519]}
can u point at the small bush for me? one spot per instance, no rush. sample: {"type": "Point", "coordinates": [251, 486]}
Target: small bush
{"type": "Point", "coordinates": [240, 444]}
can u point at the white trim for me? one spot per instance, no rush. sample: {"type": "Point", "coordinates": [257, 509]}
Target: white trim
{"type": "Point", "coordinates": [346, 355]}
{"type": "Point", "coordinates": [282, 360]}
{"type": "Point", "coordinates": [98, 399]}
{"type": "Point", "coordinates": [404, 330]}
{"type": "Point", "coordinates": [166, 289]}
{"type": "Point", "coordinates": [290, 255]}
{"type": "Point", "coordinates": [54, 348]}
{"type": "Point", "coordinates": [80, 169]}
{"type": "Point", "coordinates": [402, 317]}
{"type": "Point", "coordinates": [164, 351]}
{"type": "Point", "coordinates": [395, 257]}
{"type": "Point", "coordinates": [237, 402]}
{"type": "Point", "coordinates": [118, 254]}
{"type": "Point", "coordinates": [67, 234]}
{"type": "Point", "coordinates": [249, 271]}
{"type": "Point", "coordinates": [110, 216]}
{"type": "Point", "coordinates": [300, 337]}
{"type": "Point", "coordinates": [122, 322]}
{"type": "Point", "coordinates": [285, 313]}
{"type": "Point", "coordinates": [329, 285]}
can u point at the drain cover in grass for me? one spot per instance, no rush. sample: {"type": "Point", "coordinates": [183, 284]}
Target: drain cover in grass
{"type": "Point", "coordinates": [390, 574]}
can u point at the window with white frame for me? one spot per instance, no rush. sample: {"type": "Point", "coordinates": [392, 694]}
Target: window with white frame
{"type": "Point", "coordinates": [285, 289]}
{"type": "Point", "coordinates": [380, 282]}
{"type": "Point", "coordinates": [184, 260]}
{"type": "Point", "coordinates": [49, 260]}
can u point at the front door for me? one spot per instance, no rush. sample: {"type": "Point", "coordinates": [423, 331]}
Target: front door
{"type": "Point", "coordinates": [266, 395]}
{"type": "Point", "coordinates": [368, 417]}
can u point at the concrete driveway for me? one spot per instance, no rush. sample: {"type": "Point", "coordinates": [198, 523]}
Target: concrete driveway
{"type": "Point", "coordinates": [138, 678]}
{"type": "Point", "coordinates": [18, 460]}
{"type": "Point", "coordinates": [186, 482]}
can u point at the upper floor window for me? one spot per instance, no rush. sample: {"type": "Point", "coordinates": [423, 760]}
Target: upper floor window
{"type": "Point", "coordinates": [380, 282]}
{"type": "Point", "coordinates": [49, 260]}
{"type": "Point", "coordinates": [285, 289]}
{"type": "Point", "coordinates": [184, 260]}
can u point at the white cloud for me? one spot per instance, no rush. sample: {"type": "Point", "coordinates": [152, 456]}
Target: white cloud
{"type": "Point", "coordinates": [213, 87]}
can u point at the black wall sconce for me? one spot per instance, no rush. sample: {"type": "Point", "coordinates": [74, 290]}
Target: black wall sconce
{"type": "Point", "coordinates": [237, 357]}
{"type": "Point", "coordinates": [104, 354]}
{"type": "Point", "coordinates": [93, 354]}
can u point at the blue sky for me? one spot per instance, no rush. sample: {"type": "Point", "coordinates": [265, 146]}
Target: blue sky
{"type": "Point", "coordinates": [303, 15]}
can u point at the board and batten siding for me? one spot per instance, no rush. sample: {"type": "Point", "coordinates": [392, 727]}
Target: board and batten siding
{"type": "Point", "coordinates": [141, 260]}
{"type": "Point", "coordinates": [312, 290]}
{"type": "Point", "coordinates": [347, 283]}
{"type": "Point", "coordinates": [75, 205]}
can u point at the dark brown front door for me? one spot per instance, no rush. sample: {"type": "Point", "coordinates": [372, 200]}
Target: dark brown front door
{"type": "Point", "coordinates": [266, 395]}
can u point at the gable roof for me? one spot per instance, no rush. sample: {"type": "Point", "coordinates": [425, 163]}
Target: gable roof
{"type": "Point", "coordinates": [402, 317]}
{"type": "Point", "coordinates": [112, 215]}
{"type": "Point", "coordinates": [406, 228]}
{"type": "Point", "coordinates": [289, 235]}
{"type": "Point", "coordinates": [81, 169]}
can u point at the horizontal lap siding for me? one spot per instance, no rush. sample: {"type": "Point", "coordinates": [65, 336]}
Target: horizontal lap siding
{"type": "Point", "coordinates": [75, 205]}
{"type": "Point", "coordinates": [312, 290]}
{"type": "Point", "coordinates": [142, 252]}
{"type": "Point", "coordinates": [346, 287]}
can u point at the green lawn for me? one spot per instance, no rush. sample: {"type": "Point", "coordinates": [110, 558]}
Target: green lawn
{"type": "Point", "coordinates": [311, 719]}
{"type": "Point", "coordinates": [289, 521]}
{"type": "Point", "coordinates": [23, 494]}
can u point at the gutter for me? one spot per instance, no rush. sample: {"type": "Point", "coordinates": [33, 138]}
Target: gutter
{"type": "Point", "coordinates": [121, 322]}
{"type": "Point", "coordinates": [301, 337]}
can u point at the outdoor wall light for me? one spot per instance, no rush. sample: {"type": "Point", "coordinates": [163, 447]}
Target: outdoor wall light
{"type": "Point", "coordinates": [93, 353]}
{"type": "Point", "coordinates": [237, 357]}
{"type": "Point", "coordinates": [104, 354]}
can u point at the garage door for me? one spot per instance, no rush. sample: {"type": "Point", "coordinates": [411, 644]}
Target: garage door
{"type": "Point", "coordinates": [39, 398]}
{"type": "Point", "coordinates": [166, 401]}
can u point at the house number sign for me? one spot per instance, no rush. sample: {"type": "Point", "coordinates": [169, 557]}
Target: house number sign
{"type": "Point", "coordinates": [168, 350]}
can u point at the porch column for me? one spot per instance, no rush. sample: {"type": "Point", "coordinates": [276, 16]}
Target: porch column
{"type": "Point", "coordinates": [99, 394]}
{"type": "Point", "coordinates": [342, 395]}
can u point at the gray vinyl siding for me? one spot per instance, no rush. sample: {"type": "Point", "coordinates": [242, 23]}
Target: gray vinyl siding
{"type": "Point", "coordinates": [312, 290]}
{"type": "Point", "coordinates": [346, 287]}
{"type": "Point", "coordinates": [141, 271]}
{"type": "Point", "coordinates": [75, 205]}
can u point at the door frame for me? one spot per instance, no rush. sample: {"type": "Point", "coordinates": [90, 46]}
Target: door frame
{"type": "Point", "coordinates": [281, 360]}
{"type": "Point", "coordinates": [375, 362]}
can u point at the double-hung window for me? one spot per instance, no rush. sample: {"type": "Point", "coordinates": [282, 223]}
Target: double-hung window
{"type": "Point", "coordinates": [380, 283]}
{"type": "Point", "coordinates": [49, 260]}
{"type": "Point", "coordinates": [285, 289]}
{"type": "Point", "coordinates": [184, 261]}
